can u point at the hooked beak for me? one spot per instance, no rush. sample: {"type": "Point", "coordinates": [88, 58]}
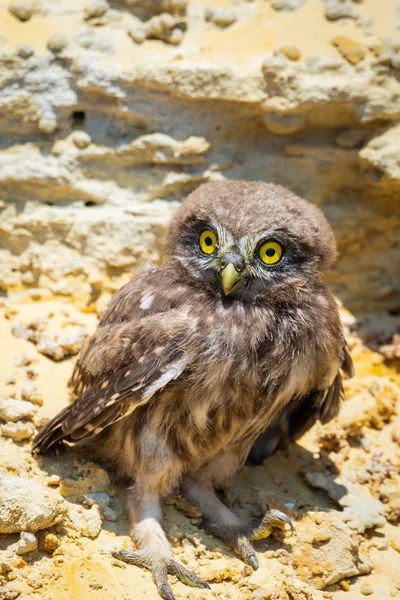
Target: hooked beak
{"type": "Point", "coordinates": [231, 279]}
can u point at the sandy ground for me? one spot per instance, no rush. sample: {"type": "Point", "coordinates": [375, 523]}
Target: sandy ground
{"type": "Point", "coordinates": [359, 452]}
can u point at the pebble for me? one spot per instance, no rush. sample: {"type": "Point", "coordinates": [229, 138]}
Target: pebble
{"type": "Point", "coordinates": [27, 543]}
{"type": "Point", "coordinates": [221, 17]}
{"type": "Point", "coordinates": [57, 43]}
{"type": "Point", "coordinates": [137, 34]}
{"type": "Point", "coordinates": [54, 480]}
{"type": "Point", "coordinates": [18, 432]}
{"type": "Point", "coordinates": [24, 359]}
{"type": "Point", "coordinates": [352, 51]}
{"type": "Point", "coordinates": [103, 502]}
{"type": "Point", "coordinates": [291, 52]}
{"type": "Point", "coordinates": [51, 542]}
{"type": "Point", "coordinates": [86, 522]}
{"type": "Point", "coordinates": [15, 410]}
{"type": "Point", "coordinates": [26, 505]}
{"type": "Point", "coordinates": [366, 589]}
{"type": "Point", "coordinates": [33, 395]}
{"type": "Point", "coordinates": [81, 139]}
{"type": "Point", "coordinates": [339, 9]}
{"type": "Point", "coordinates": [22, 10]}
{"type": "Point", "coordinates": [96, 9]}
{"type": "Point", "coordinates": [24, 50]}
{"type": "Point", "coordinates": [287, 5]}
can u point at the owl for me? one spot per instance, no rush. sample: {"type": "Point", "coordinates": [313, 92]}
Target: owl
{"type": "Point", "coordinates": [229, 349]}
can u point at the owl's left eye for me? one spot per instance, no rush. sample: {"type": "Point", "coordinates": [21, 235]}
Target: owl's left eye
{"type": "Point", "coordinates": [270, 253]}
{"type": "Point", "coordinates": [208, 241]}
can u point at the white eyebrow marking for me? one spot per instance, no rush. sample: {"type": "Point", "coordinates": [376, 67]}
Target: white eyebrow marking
{"type": "Point", "coordinates": [146, 301]}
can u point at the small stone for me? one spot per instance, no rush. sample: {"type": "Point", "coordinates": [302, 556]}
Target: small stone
{"type": "Point", "coordinates": [166, 21]}
{"type": "Point", "coordinates": [18, 432]}
{"type": "Point", "coordinates": [57, 43]}
{"type": "Point", "coordinates": [31, 373]}
{"type": "Point", "coordinates": [339, 9]}
{"type": "Point", "coordinates": [365, 22]}
{"type": "Point", "coordinates": [15, 410]}
{"type": "Point", "coordinates": [109, 514]}
{"type": "Point", "coordinates": [26, 505]}
{"type": "Point", "coordinates": [12, 379]}
{"type": "Point", "coordinates": [51, 542]}
{"type": "Point", "coordinates": [366, 589]}
{"type": "Point", "coordinates": [86, 522]}
{"type": "Point", "coordinates": [24, 50]}
{"type": "Point", "coordinates": [221, 17]}
{"type": "Point", "coordinates": [27, 543]}
{"type": "Point", "coordinates": [291, 52]}
{"type": "Point", "coordinates": [176, 36]}
{"type": "Point", "coordinates": [22, 10]}
{"type": "Point", "coordinates": [137, 34]}
{"type": "Point", "coordinates": [33, 395]}
{"type": "Point", "coordinates": [54, 480]}
{"type": "Point", "coordinates": [96, 9]}
{"type": "Point", "coordinates": [81, 139]}
{"type": "Point", "coordinates": [352, 51]}
{"type": "Point", "coordinates": [287, 5]}
{"type": "Point", "coordinates": [24, 359]}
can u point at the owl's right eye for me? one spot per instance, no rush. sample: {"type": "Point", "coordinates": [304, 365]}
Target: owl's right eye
{"type": "Point", "coordinates": [208, 241]}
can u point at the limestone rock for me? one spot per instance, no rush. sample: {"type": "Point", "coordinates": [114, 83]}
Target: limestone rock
{"type": "Point", "coordinates": [222, 17]}
{"type": "Point", "coordinates": [326, 553]}
{"type": "Point", "coordinates": [22, 9]}
{"type": "Point", "coordinates": [18, 431]}
{"type": "Point", "coordinates": [96, 9]}
{"type": "Point", "coordinates": [87, 522]}
{"type": "Point", "coordinates": [287, 5]}
{"type": "Point", "coordinates": [339, 9]}
{"type": "Point", "coordinates": [352, 51]}
{"type": "Point", "coordinates": [27, 543]}
{"type": "Point", "coordinates": [361, 511]}
{"type": "Point", "coordinates": [15, 410]}
{"type": "Point", "coordinates": [26, 505]}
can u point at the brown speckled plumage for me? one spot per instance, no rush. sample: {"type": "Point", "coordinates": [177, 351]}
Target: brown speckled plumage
{"type": "Point", "coordinates": [180, 381]}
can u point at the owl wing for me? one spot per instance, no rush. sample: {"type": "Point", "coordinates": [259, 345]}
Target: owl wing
{"type": "Point", "coordinates": [301, 414]}
{"type": "Point", "coordinates": [127, 360]}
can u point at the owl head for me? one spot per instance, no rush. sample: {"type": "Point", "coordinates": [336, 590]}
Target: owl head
{"type": "Point", "coordinates": [243, 240]}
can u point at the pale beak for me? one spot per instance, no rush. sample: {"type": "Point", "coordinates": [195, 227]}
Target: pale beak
{"type": "Point", "coordinates": [231, 279]}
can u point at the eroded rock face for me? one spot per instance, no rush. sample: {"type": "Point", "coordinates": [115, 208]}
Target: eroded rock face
{"type": "Point", "coordinates": [100, 140]}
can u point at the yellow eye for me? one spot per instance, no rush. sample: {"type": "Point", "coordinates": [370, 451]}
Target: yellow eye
{"type": "Point", "coordinates": [270, 253]}
{"type": "Point", "coordinates": [208, 241]}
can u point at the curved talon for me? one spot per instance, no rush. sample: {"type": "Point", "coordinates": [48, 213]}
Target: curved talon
{"type": "Point", "coordinates": [278, 517]}
{"type": "Point", "coordinates": [272, 518]}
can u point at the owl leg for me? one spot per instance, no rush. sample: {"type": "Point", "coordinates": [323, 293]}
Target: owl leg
{"type": "Point", "coordinates": [227, 526]}
{"type": "Point", "coordinates": [154, 550]}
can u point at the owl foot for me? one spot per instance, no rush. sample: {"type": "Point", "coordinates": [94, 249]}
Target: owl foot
{"type": "Point", "coordinates": [160, 567]}
{"type": "Point", "coordinates": [240, 538]}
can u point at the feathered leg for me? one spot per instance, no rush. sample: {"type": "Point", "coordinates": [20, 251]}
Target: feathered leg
{"type": "Point", "coordinates": [154, 550]}
{"type": "Point", "coordinates": [227, 526]}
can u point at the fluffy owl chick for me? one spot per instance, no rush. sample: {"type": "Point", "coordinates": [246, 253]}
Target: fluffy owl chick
{"type": "Point", "coordinates": [234, 337]}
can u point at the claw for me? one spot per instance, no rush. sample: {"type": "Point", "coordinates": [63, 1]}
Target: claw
{"type": "Point", "coordinates": [278, 517]}
{"type": "Point", "coordinates": [166, 593]}
{"type": "Point", "coordinates": [272, 518]}
{"type": "Point", "coordinates": [253, 562]}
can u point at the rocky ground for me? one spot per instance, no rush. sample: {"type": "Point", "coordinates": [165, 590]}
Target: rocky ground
{"type": "Point", "coordinates": [110, 112]}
